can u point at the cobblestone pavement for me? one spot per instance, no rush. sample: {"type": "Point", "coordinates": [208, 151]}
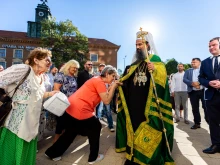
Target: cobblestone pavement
{"type": "Point", "coordinates": [187, 150]}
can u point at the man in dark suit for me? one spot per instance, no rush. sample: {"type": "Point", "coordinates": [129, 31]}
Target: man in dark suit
{"type": "Point", "coordinates": [84, 75]}
{"type": "Point", "coordinates": [209, 77]}
{"type": "Point", "coordinates": [195, 91]}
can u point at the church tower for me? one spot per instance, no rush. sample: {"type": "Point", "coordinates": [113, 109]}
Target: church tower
{"type": "Point", "coordinates": [41, 12]}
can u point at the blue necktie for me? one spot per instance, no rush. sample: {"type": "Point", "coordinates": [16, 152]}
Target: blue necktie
{"type": "Point", "coordinates": [216, 64]}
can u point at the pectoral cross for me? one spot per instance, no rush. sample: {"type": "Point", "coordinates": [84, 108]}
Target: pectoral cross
{"type": "Point", "coordinates": [142, 35]}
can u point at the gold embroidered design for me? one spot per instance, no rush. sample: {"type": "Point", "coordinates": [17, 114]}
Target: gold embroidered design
{"type": "Point", "coordinates": [139, 162]}
{"type": "Point", "coordinates": [129, 127]}
{"type": "Point", "coordinates": [158, 115]}
{"type": "Point", "coordinates": [158, 74]}
{"type": "Point", "coordinates": [120, 149]}
{"type": "Point", "coordinates": [128, 156]}
{"type": "Point", "coordinates": [162, 109]}
{"type": "Point", "coordinates": [131, 70]}
{"type": "Point", "coordinates": [120, 109]}
{"type": "Point", "coordinates": [168, 104]}
{"type": "Point", "coordinates": [147, 139]}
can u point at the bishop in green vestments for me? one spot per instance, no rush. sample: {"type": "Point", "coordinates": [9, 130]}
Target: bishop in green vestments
{"type": "Point", "coordinates": [139, 124]}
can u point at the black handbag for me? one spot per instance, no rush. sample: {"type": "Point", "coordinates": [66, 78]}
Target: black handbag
{"type": "Point", "coordinates": [6, 100]}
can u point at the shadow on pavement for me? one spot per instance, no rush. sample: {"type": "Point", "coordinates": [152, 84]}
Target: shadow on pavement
{"type": "Point", "coordinates": [192, 142]}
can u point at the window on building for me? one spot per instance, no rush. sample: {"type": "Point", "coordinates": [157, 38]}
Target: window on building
{"type": "Point", "coordinates": [18, 53]}
{"type": "Point", "coordinates": [2, 53]}
{"type": "Point", "coordinates": [94, 57]}
{"type": "Point", "coordinates": [95, 69]}
{"type": "Point", "coordinates": [3, 64]}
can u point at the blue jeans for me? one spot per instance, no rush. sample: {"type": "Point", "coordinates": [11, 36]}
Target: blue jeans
{"type": "Point", "coordinates": [105, 110]}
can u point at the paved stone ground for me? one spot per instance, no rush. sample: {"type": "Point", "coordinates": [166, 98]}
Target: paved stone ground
{"type": "Point", "coordinates": [187, 150]}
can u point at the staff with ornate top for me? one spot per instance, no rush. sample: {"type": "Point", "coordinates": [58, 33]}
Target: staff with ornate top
{"type": "Point", "coordinates": [142, 105]}
{"type": "Point", "coordinates": [142, 35]}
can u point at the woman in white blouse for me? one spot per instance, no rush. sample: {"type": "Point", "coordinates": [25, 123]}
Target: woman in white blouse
{"type": "Point", "coordinates": [18, 140]}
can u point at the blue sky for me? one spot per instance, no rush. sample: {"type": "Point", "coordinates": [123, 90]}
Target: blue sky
{"type": "Point", "coordinates": [181, 28]}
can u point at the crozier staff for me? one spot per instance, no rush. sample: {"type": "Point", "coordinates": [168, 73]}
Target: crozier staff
{"type": "Point", "coordinates": [143, 102]}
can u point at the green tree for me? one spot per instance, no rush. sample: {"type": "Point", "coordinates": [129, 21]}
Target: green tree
{"type": "Point", "coordinates": [171, 66]}
{"type": "Point", "coordinates": [187, 66]}
{"type": "Point", "coordinates": [65, 41]}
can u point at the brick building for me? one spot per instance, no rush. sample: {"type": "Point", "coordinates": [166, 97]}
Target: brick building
{"type": "Point", "coordinates": [15, 46]}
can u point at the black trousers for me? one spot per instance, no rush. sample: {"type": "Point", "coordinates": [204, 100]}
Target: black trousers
{"type": "Point", "coordinates": [195, 97]}
{"type": "Point", "coordinates": [213, 109]}
{"type": "Point", "coordinates": [89, 127]}
{"type": "Point", "coordinates": [60, 124]}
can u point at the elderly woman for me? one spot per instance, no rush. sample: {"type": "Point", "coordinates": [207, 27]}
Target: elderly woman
{"type": "Point", "coordinates": [80, 116]}
{"type": "Point", "coordinates": [18, 136]}
{"type": "Point", "coordinates": [65, 81]}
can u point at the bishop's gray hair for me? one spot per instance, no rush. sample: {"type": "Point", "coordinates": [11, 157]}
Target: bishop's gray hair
{"type": "Point", "coordinates": [109, 70]}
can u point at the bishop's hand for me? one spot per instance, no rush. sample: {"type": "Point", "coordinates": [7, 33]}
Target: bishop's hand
{"type": "Point", "coordinates": [150, 66]}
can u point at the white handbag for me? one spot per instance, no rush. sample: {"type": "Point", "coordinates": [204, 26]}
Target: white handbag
{"type": "Point", "coordinates": [57, 104]}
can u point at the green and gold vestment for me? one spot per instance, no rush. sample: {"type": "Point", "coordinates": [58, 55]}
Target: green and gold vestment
{"type": "Point", "coordinates": [146, 144]}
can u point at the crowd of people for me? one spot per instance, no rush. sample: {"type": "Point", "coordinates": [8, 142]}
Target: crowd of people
{"type": "Point", "coordinates": [28, 120]}
{"type": "Point", "coordinates": [144, 94]}
{"type": "Point", "coordinates": [200, 83]}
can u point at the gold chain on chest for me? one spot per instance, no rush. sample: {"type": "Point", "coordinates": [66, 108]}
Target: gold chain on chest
{"type": "Point", "coordinates": [140, 75]}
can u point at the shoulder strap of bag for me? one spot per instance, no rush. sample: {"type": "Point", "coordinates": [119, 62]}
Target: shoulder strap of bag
{"type": "Point", "coordinates": [22, 80]}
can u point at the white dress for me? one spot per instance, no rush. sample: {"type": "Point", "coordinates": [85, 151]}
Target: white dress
{"type": "Point", "coordinates": [23, 119]}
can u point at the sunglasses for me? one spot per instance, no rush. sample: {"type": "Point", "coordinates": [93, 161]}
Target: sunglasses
{"type": "Point", "coordinates": [89, 64]}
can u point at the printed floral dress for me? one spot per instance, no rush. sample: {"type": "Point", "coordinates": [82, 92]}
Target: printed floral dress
{"type": "Point", "coordinates": [18, 136]}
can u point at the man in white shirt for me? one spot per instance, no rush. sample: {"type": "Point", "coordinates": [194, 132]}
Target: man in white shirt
{"type": "Point", "coordinates": [179, 92]}
{"type": "Point", "coordinates": [195, 91]}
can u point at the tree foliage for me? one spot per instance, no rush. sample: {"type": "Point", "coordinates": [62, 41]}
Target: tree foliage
{"type": "Point", "coordinates": [171, 66]}
{"type": "Point", "coordinates": [65, 41]}
{"type": "Point", "coordinates": [187, 66]}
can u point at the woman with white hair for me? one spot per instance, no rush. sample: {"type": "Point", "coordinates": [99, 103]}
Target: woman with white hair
{"type": "Point", "coordinates": [65, 82]}
{"type": "Point", "coordinates": [80, 116]}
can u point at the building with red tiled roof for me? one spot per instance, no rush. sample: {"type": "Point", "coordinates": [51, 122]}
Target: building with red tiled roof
{"type": "Point", "coordinates": [15, 46]}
